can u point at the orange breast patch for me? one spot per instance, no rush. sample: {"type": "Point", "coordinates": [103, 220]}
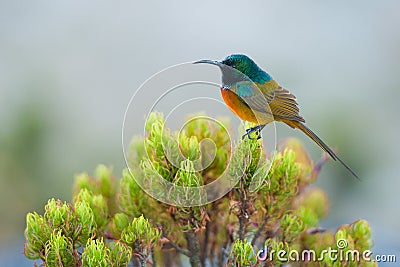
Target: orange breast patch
{"type": "Point", "coordinates": [242, 110]}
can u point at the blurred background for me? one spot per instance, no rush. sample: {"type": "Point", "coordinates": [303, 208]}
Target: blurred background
{"type": "Point", "coordinates": [68, 70]}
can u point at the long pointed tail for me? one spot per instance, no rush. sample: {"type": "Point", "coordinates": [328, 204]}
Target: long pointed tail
{"type": "Point", "coordinates": [316, 139]}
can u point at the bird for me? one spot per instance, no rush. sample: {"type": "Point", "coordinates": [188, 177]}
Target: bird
{"type": "Point", "coordinates": [254, 96]}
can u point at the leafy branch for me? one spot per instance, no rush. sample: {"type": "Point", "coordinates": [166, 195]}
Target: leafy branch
{"type": "Point", "coordinates": [272, 207]}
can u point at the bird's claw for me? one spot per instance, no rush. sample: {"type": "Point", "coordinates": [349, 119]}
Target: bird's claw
{"type": "Point", "coordinates": [249, 131]}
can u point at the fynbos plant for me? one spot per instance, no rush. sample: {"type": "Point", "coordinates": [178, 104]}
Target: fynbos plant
{"type": "Point", "coordinates": [269, 218]}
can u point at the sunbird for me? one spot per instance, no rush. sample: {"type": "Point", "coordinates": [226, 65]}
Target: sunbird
{"type": "Point", "coordinates": [254, 96]}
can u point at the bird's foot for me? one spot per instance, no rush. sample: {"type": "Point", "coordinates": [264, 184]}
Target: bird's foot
{"type": "Point", "coordinates": [253, 131]}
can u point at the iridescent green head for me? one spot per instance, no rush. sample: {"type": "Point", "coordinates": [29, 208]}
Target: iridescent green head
{"type": "Point", "coordinates": [239, 67]}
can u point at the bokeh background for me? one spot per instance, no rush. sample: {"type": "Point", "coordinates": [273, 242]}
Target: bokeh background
{"type": "Point", "coordinates": [69, 68]}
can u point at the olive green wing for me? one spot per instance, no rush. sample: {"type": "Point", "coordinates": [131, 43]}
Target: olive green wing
{"type": "Point", "coordinates": [269, 98]}
{"type": "Point", "coordinates": [284, 105]}
{"type": "Point", "coordinates": [254, 96]}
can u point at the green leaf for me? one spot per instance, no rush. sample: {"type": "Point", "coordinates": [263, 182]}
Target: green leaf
{"type": "Point", "coordinates": [95, 254]}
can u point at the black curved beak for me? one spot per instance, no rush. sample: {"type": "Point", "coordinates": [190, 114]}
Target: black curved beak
{"type": "Point", "coordinates": [207, 61]}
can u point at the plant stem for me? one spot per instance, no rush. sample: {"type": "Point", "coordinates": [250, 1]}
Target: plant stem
{"type": "Point", "coordinates": [241, 227]}
{"type": "Point", "coordinates": [205, 244]}
{"type": "Point", "coordinates": [259, 230]}
{"type": "Point", "coordinates": [194, 248]}
{"type": "Point", "coordinates": [142, 260]}
{"type": "Point", "coordinates": [153, 257]}
{"type": "Point", "coordinates": [177, 247]}
{"type": "Point", "coordinates": [242, 216]}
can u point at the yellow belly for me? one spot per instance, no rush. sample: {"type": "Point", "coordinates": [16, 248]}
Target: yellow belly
{"type": "Point", "coordinates": [243, 111]}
